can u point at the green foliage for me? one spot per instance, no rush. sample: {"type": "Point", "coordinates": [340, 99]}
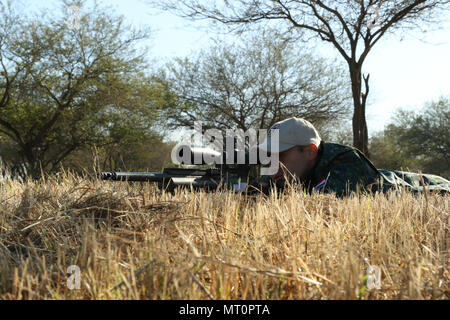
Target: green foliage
{"type": "Point", "coordinates": [68, 90]}
{"type": "Point", "coordinates": [416, 141]}
{"type": "Point", "coordinates": [387, 154]}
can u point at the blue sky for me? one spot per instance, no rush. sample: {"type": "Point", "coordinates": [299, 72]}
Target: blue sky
{"type": "Point", "coordinates": [403, 73]}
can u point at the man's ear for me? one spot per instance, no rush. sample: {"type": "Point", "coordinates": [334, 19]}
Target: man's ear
{"type": "Point", "coordinates": [312, 152]}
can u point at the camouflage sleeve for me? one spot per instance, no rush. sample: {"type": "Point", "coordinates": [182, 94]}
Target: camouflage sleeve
{"type": "Point", "coordinates": [347, 171]}
{"type": "Point", "coordinates": [414, 182]}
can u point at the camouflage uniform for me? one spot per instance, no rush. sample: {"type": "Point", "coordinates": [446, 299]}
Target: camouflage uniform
{"type": "Point", "coordinates": [342, 169]}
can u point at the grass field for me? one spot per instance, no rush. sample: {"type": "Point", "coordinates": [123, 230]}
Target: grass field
{"type": "Point", "coordinates": [134, 242]}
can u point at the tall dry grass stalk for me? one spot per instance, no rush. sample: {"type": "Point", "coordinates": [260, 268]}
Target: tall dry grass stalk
{"type": "Point", "coordinates": [132, 242]}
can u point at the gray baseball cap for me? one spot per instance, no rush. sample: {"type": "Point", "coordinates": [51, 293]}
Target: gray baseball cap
{"type": "Point", "coordinates": [292, 132]}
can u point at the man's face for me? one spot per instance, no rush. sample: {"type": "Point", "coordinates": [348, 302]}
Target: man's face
{"type": "Point", "coordinates": [294, 161]}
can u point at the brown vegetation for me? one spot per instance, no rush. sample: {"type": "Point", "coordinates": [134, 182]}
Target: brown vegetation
{"type": "Point", "coordinates": [134, 242]}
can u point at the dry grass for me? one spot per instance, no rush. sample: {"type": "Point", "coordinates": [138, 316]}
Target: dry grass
{"type": "Point", "coordinates": [132, 242]}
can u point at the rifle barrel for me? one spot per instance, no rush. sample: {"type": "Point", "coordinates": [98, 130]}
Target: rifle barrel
{"type": "Point", "coordinates": [134, 176]}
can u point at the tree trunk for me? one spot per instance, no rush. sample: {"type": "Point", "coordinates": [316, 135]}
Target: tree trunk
{"type": "Point", "coordinates": [360, 134]}
{"type": "Point", "coordinates": [31, 162]}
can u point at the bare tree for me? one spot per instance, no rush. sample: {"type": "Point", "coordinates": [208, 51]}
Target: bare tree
{"type": "Point", "coordinates": [353, 27]}
{"type": "Point", "coordinates": [255, 83]}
